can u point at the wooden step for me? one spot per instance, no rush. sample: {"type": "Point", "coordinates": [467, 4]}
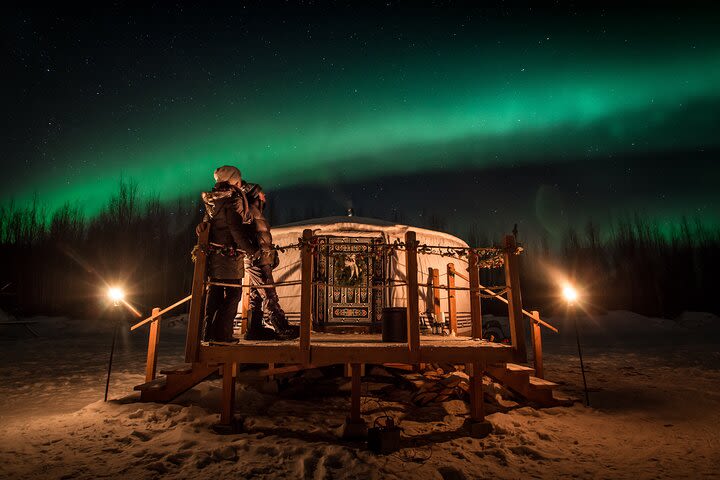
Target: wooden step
{"type": "Point", "coordinates": [181, 369]}
{"type": "Point", "coordinates": [520, 379]}
{"type": "Point", "coordinates": [541, 384]}
{"type": "Point", "coordinates": [507, 370]}
{"type": "Point", "coordinates": [157, 384]}
{"type": "Point", "coordinates": [177, 380]}
{"type": "Point", "coordinates": [516, 369]}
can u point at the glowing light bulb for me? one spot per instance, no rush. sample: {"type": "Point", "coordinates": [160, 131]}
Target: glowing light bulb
{"type": "Point", "coordinates": [116, 294]}
{"type": "Point", "coordinates": [569, 293]}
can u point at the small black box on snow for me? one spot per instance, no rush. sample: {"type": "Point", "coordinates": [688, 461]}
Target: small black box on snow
{"type": "Point", "coordinates": [384, 439]}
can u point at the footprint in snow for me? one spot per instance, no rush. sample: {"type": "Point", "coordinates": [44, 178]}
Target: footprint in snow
{"type": "Point", "coordinates": [526, 451]}
{"type": "Point", "coordinates": [143, 436]}
{"type": "Point", "coordinates": [267, 450]}
{"type": "Point", "coordinates": [451, 473]}
{"type": "Point", "coordinates": [227, 453]}
{"type": "Point", "coordinates": [178, 458]}
{"type": "Point", "coordinates": [158, 467]}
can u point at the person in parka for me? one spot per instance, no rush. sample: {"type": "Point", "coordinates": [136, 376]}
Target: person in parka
{"type": "Point", "coordinates": [227, 211]}
{"type": "Point", "coordinates": [264, 302]}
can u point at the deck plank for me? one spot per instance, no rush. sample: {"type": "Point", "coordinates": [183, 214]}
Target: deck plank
{"type": "Point", "coordinates": [329, 348]}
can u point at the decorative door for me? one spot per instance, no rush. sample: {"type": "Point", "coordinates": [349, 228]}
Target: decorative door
{"type": "Point", "coordinates": [347, 269]}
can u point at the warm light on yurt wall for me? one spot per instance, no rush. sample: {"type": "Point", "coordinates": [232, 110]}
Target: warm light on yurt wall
{"type": "Point", "coordinates": [352, 227]}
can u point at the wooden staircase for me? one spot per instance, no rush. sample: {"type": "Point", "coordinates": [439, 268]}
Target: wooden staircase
{"type": "Point", "coordinates": [520, 380]}
{"type": "Point", "coordinates": [176, 380]}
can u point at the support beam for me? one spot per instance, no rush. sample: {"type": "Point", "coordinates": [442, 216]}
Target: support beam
{"type": "Point", "coordinates": [478, 426]}
{"type": "Point", "coordinates": [306, 262]}
{"type": "Point", "coordinates": [475, 311]}
{"type": "Point", "coordinates": [452, 302]}
{"type": "Point", "coordinates": [515, 310]}
{"type": "Point", "coordinates": [477, 406]}
{"type": "Point", "coordinates": [153, 340]}
{"type": "Point", "coordinates": [537, 346]}
{"type": "Point", "coordinates": [348, 369]}
{"type": "Point", "coordinates": [354, 427]}
{"type": "Point", "coordinates": [355, 393]}
{"type": "Point", "coordinates": [413, 308]}
{"type": "Point", "coordinates": [227, 407]}
{"type": "Point", "coordinates": [197, 302]}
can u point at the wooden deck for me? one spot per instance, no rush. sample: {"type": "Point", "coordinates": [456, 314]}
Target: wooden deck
{"type": "Point", "coordinates": [328, 348]}
{"type": "Point", "coordinates": [315, 349]}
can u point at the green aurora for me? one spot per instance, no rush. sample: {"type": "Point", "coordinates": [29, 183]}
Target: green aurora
{"type": "Point", "coordinates": [327, 118]}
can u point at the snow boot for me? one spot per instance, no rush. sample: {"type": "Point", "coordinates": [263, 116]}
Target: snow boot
{"type": "Point", "coordinates": [281, 325]}
{"type": "Point", "coordinates": [257, 330]}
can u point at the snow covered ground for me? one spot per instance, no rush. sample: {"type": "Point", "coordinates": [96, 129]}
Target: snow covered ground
{"type": "Point", "coordinates": [655, 413]}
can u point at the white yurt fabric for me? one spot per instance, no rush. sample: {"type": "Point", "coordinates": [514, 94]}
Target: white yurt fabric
{"type": "Point", "coordinates": [289, 268]}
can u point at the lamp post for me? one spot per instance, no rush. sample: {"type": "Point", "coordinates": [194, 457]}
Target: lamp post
{"type": "Point", "coordinates": [571, 296]}
{"type": "Point", "coordinates": [116, 296]}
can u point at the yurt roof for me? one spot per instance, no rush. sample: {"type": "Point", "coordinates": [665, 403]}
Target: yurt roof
{"type": "Point", "coordinates": [363, 226]}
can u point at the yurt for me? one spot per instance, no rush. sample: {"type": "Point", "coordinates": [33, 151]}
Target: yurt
{"type": "Point", "coordinates": [357, 273]}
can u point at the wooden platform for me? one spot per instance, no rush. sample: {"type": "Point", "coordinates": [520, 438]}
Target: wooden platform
{"type": "Point", "coordinates": [329, 348]}
{"type": "Point", "coordinates": [314, 349]}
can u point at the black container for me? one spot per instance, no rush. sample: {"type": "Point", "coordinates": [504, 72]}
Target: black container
{"type": "Point", "coordinates": [384, 440]}
{"type": "Point", "coordinates": [394, 324]}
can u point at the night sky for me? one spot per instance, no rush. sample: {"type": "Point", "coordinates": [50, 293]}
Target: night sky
{"type": "Point", "coordinates": [499, 116]}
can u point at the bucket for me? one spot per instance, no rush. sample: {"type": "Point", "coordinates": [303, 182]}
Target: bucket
{"type": "Point", "coordinates": [394, 324]}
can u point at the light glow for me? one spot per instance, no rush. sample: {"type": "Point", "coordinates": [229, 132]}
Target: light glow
{"type": "Point", "coordinates": [569, 293]}
{"type": "Point", "coordinates": [116, 294]}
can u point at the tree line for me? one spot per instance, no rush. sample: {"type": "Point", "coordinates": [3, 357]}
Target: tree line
{"type": "Point", "coordinates": [61, 263]}
{"type": "Point", "coordinates": [637, 264]}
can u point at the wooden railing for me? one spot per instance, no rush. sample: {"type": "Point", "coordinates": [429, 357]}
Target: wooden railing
{"type": "Point", "coordinates": [192, 342]}
{"type": "Point", "coordinates": [531, 315]}
{"type": "Point", "coordinates": [413, 297]}
{"type": "Point", "coordinates": [512, 290]}
{"type": "Point", "coordinates": [156, 313]}
{"type": "Point", "coordinates": [306, 264]}
{"type": "Point", "coordinates": [515, 310]}
{"type": "Point", "coordinates": [154, 336]}
{"type": "Point", "coordinates": [153, 341]}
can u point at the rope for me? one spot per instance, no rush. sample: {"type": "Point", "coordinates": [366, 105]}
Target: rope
{"type": "Point", "coordinates": [468, 289]}
{"type": "Point", "coordinates": [371, 287]}
{"type": "Point", "coordinates": [401, 283]}
{"type": "Point", "coordinates": [488, 257]}
{"type": "Point", "coordinates": [243, 285]}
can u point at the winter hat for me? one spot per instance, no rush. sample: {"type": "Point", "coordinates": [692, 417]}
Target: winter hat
{"type": "Point", "coordinates": [228, 174]}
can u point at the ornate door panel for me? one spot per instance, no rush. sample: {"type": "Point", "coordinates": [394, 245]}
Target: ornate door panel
{"type": "Point", "coordinates": [347, 270]}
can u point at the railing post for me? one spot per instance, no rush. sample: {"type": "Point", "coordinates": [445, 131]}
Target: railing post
{"type": "Point", "coordinates": [197, 302]}
{"type": "Point", "coordinates": [436, 296]}
{"type": "Point", "coordinates": [413, 308]}
{"type": "Point", "coordinates": [152, 353]}
{"type": "Point", "coordinates": [452, 303]}
{"type": "Point", "coordinates": [537, 345]}
{"type": "Point", "coordinates": [306, 259]}
{"type": "Point", "coordinates": [474, 280]}
{"type": "Point", "coordinates": [515, 310]}
{"type": "Point", "coordinates": [245, 307]}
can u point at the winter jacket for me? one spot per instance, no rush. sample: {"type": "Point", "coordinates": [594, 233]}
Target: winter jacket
{"type": "Point", "coordinates": [260, 226]}
{"type": "Point", "coordinates": [226, 209]}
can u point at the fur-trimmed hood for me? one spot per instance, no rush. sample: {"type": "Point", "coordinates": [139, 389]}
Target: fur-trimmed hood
{"type": "Point", "coordinates": [214, 199]}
